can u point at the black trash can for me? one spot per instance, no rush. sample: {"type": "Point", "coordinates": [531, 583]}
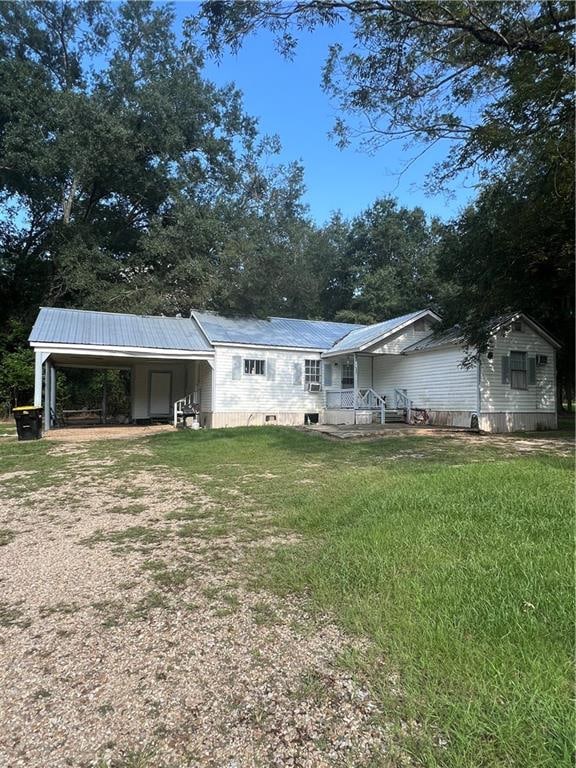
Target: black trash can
{"type": "Point", "coordinates": [28, 420]}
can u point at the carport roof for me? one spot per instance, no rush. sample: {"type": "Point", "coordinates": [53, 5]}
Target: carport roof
{"type": "Point", "coordinates": [114, 329]}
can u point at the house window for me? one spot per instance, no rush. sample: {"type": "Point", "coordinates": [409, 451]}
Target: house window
{"type": "Point", "coordinates": [518, 327]}
{"type": "Point", "coordinates": [518, 370]}
{"type": "Point", "coordinates": [347, 379]}
{"type": "Point", "coordinates": [254, 367]}
{"type": "Point", "coordinates": [312, 371]}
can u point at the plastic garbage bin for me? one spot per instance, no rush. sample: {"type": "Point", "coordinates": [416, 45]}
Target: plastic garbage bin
{"type": "Point", "coordinates": [28, 420]}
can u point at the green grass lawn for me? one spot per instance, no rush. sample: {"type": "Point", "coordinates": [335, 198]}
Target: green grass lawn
{"type": "Point", "coordinates": [453, 558]}
{"type": "Point", "coordinates": [7, 428]}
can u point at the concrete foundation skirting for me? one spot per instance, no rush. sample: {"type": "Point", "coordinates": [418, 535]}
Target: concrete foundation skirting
{"type": "Point", "coordinates": [222, 419]}
{"type": "Point", "coordinates": [451, 418]}
{"type": "Point", "coordinates": [518, 422]}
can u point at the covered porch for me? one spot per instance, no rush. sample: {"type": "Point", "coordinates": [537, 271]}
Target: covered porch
{"type": "Point", "coordinates": [355, 392]}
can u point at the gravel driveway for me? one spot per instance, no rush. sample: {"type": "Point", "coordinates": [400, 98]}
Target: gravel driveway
{"type": "Point", "coordinates": [131, 635]}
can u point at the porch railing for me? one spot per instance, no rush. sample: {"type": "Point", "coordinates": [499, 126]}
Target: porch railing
{"type": "Point", "coordinates": [403, 401]}
{"type": "Point", "coordinates": [359, 400]}
{"type": "Point", "coordinates": [186, 406]}
{"type": "Point", "coordinates": [340, 398]}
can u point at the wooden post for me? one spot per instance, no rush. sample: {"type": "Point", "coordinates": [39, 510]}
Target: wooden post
{"type": "Point", "coordinates": [38, 360]}
{"type": "Point", "coordinates": [52, 394]}
{"type": "Point", "coordinates": [47, 394]}
{"type": "Point", "coordinates": [104, 395]}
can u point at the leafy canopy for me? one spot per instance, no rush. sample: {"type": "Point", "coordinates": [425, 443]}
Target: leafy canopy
{"type": "Point", "coordinates": [494, 79]}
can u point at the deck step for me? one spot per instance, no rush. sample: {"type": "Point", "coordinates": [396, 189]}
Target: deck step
{"type": "Point", "coordinates": [392, 416]}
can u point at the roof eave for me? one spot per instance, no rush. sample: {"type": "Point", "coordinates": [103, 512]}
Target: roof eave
{"type": "Point", "coordinates": [383, 336]}
{"type": "Point", "coordinates": [400, 327]}
{"type": "Point", "coordinates": [534, 324]}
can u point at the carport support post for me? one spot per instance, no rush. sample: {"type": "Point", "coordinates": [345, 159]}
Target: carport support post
{"type": "Point", "coordinates": [39, 358]}
{"type": "Point", "coordinates": [104, 396]}
{"type": "Point", "coordinates": [47, 395]}
{"type": "Point", "coordinates": [52, 391]}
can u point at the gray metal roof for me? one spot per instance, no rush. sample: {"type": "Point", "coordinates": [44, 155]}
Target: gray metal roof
{"type": "Point", "coordinates": [272, 331]}
{"type": "Point", "coordinates": [371, 333]}
{"type": "Point", "coordinates": [113, 329]}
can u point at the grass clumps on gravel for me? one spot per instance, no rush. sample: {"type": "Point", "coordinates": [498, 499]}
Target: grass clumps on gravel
{"type": "Point", "coordinates": [6, 536]}
{"type": "Point", "coordinates": [137, 534]}
{"type": "Point", "coordinates": [11, 615]}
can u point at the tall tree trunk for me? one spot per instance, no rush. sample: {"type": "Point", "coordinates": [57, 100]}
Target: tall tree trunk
{"type": "Point", "coordinates": [69, 200]}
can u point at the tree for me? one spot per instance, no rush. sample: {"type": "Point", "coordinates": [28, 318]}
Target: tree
{"type": "Point", "coordinates": [493, 79]}
{"type": "Point", "coordinates": [94, 154]}
{"type": "Point", "coordinates": [513, 250]}
{"type": "Point", "coordinates": [393, 249]}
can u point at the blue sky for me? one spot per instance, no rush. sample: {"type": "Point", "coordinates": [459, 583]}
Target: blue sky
{"type": "Point", "coordinates": [287, 98]}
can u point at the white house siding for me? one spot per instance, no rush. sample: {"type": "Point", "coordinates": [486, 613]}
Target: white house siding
{"type": "Point", "coordinates": [141, 384]}
{"type": "Point", "coordinates": [248, 400]}
{"type": "Point", "coordinates": [204, 374]}
{"type": "Point", "coordinates": [507, 409]}
{"type": "Point", "coordinates": [433, 380]}
{"type": "Point", "coordinates": [364, 371]}
{"type": "Point", "coordinates": [399, 341]}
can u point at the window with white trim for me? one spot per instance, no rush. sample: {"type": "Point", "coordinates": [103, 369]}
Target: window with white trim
{"type": "Point", "coordinates": [254, 367]}
{"type": "Point", "coordinates": [347, 376]}
{"type": "Point", "coordinates": [312, 371]}
{"type": "Point", "coordinates": [518, 370]}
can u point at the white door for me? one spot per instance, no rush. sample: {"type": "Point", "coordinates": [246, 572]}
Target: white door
{"type": "Point", "coordinates": [160, 393]}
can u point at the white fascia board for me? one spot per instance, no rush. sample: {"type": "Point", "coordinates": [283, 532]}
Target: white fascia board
{"type": "Point", "coordinates": [234, 344]}
{"type": "Point", "coordinates": [342, 353]}
{"type": "Point", "coordinates": [199, 324]}
{"type": "Point", "coordinates": [129, 352]}
{"type": "Point", "coordinates": [382, 337]}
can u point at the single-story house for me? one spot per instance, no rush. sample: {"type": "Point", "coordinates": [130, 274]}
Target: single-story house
{"type": "Point", "coordinates": [248, 371]}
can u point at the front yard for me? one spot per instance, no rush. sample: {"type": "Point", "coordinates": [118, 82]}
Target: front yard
{"type": "Point", "coordinates": [260, 597]}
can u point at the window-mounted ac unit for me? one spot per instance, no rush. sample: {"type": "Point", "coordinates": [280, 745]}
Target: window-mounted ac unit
{"type": "Point", "coordinates": [541, 360]}
{"type": "Point", "coordinates": [313, 386]}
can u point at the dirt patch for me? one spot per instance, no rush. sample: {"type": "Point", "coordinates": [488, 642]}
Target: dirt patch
{"type": "Point", "coordinates": [547, 442]}
{"type": "Point", "coordinates": [89, 434]}
{"type": "Point", "coordinates": [143, 636]}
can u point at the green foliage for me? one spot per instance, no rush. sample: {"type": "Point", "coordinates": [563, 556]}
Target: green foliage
{"type": "Point", "coordinates": [16, 379]}
{"type": "Point", "coordinates": [494, 79]}
{"type": "Point", "coordinates": [514, 250]}
{"type": "Point", "coordinates": [126, 206]}
{"type": "Point", "coordinates": [393, 250]}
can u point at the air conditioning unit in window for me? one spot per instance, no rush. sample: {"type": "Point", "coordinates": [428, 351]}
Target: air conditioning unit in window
{"type": "Point", "coordinates": [541, 360]}
{"type": "Point", "coordinates": [313, 386]}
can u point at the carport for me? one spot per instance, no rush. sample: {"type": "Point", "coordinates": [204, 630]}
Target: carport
{"type": "Point", "coordinates": [168, 358]}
